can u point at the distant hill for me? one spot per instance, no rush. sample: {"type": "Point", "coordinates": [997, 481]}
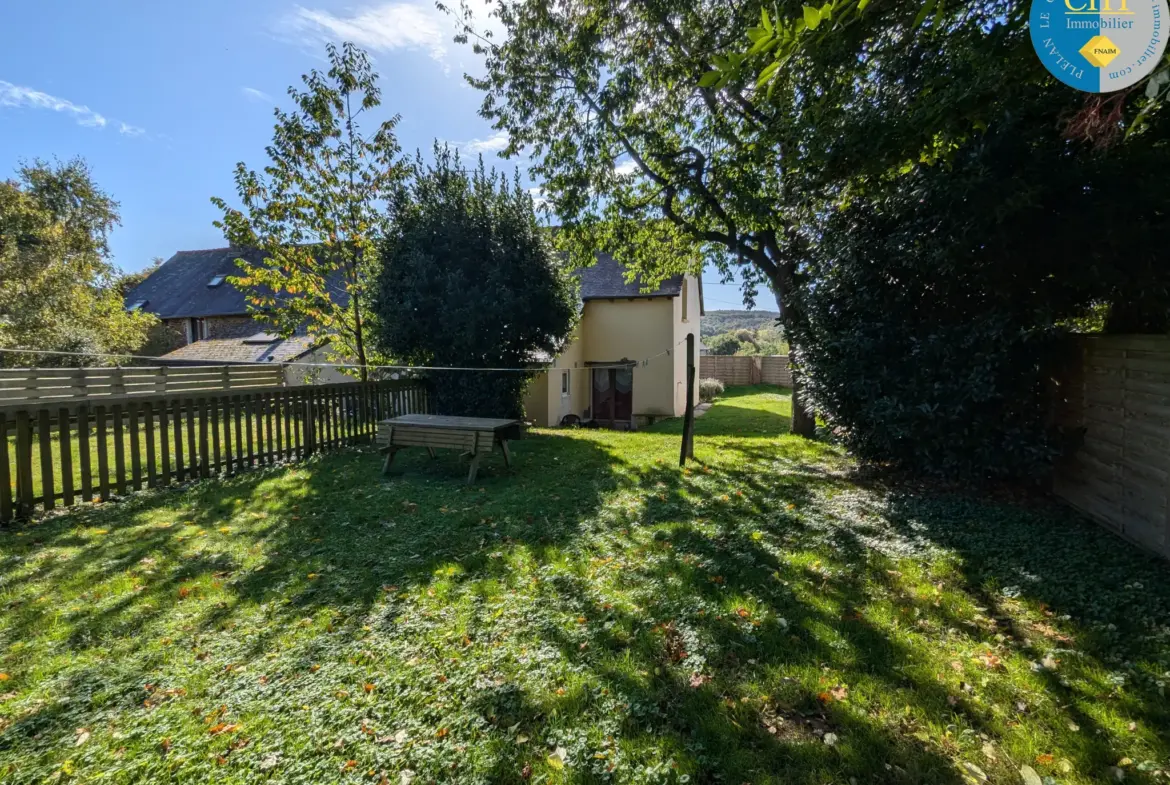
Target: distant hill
{"type": "Point", "coordinates": [716, 322]}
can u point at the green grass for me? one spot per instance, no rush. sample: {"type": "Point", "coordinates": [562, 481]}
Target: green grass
{"type": "Point", "coordinates": [594, 614]}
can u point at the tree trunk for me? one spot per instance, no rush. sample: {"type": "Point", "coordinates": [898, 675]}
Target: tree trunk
{"type": "Point", "coordinates": [804, 421]}
{"type": "Point", "coordinates": [359, 340]}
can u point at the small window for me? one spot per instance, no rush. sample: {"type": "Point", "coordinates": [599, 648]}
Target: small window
{"type": "Point", "coordinates": [565, 383]}
{"type": "Point", "coordinates": [685, 297]}
{"type": "Point", "coordinates": [215, 281]}
{"type": "Point", "coordinates": [136, 305]}
{"type": "Point", "coordinates": [197, 330]}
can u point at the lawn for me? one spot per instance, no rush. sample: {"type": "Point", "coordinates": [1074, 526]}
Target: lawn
{"type": "Point", "coordinates": [594, 614]}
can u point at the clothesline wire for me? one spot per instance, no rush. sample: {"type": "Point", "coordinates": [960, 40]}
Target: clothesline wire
{"type": "Point", "coordinates": [542, 367]}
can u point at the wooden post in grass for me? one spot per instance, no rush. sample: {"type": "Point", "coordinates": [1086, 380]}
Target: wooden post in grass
{"type": "Point", "coordinates": [688, 434]}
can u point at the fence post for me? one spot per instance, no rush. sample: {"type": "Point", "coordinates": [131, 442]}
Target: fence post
{"type": "Point", "coordinates": [688, 435]}
{"type": "Point", "coordinates": [117, 382]}
{"type": "Point", "coordinates": [310, 435]}
{"type": "Point", "coordinates": [24, 480]}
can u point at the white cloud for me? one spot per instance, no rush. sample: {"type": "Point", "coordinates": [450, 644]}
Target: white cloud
{"type": "Point", "coordinates": [539, 199]}
{"type": "Point", "coordinates": [18, 97]}
{"type": "Point", "coordinates": [257, 95]}
{"type": "Point", "coordinates": [385, 27]}
{"type": "Point", "coordinates": [493, 144]}
{"type": "Point", "coordinates": [25, 97]}
{"type": "Point", "coordinates": [380, 28]}
{"type": "Point", "coordinates": [629, 166]}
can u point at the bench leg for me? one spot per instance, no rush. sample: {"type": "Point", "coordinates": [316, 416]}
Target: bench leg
{"type": "Point", "coordinates": [431, 452]}
{"type": "Point", "coordinates": [507, 454]}
{"type": "Point", "coordinates": [390, 452]}
{"type": "Point", "coordinates": [474, 470]}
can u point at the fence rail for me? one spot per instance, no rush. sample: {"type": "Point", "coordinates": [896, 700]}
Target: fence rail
{"type": "Point", "coordinates": [739, 370]}
{"type": "Point", "coordinates": [72, 451]}
{"type": "Point", "coordinates": [62, 384]}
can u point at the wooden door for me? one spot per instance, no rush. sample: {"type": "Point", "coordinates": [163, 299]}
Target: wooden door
{"type": "Point", "coordinates": [613, 396]}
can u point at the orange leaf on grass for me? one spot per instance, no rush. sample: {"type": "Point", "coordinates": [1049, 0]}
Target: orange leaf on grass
{"type": "Point", "coordinates": [368, 686]}
{"type": "Point", "coordinates": [1045, 758]}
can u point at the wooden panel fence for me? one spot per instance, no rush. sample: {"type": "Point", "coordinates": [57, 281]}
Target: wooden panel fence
{"type": "Point", "coordinates": [67, 384]}
{"type": "Point", "coordinates": [68, 451]}
{"type": "Point", "coordinates": [1117, 390]}
{"type": "Point", "coordinates": [735, 371]}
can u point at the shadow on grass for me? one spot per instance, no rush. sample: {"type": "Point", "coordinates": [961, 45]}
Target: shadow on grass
{"type": "Point", "coordinates": [727, 623]}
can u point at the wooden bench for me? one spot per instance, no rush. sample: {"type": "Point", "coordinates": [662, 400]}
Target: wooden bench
{"type": "Point", "coordinates": [474, 436]}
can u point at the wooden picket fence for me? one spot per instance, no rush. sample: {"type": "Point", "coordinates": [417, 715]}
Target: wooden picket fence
{"type": "Point", "coordinates": [18, 385]}
{"type": "Point", "coordinates": [74, 451]}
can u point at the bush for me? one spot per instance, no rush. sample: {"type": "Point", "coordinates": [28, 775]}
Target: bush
{"type": "Point", "coordinates": [710, 389]}
{"type": "Point", "coordinates": [469, 280]}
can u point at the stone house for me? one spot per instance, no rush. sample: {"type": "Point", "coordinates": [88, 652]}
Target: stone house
{"type": "Point", "coordinates": [205, 320]}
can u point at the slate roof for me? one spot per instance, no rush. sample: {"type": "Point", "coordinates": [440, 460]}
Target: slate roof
{"type": "Point", "coordinates": [606, 279]}
{"type": "Point", "coordinates": [253, 349]}
{"type": "Point", "coordinates": [179, 288]}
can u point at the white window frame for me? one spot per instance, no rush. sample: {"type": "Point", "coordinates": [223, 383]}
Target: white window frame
{"type": "Point", "coordinates": [566, 388]}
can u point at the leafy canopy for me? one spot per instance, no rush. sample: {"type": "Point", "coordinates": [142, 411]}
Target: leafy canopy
{"type": "Point", "coordinates": [956, 219]}
{"type": "Point", "coordinates": [469, 279]}
{"type": "Point", "coordinates": [319, 208]}
{"type": "Point", "coordinates": [59, 289]}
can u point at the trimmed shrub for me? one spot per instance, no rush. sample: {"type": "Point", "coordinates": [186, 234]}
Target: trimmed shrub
{"type": "Point", "coordinates": [710, 389]}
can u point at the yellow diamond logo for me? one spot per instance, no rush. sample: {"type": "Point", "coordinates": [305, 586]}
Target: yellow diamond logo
{"type": "Point", "coordinates": [1100, 51]}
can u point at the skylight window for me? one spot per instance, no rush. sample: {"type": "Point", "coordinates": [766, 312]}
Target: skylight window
{"type": "Point", "coordinates": [136, 305]}
{"type": "Point", "coordinates": [215, 281]}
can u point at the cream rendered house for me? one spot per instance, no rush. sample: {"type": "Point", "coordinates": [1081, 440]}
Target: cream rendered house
{"type": "Point", "coordinates": [626, 363]}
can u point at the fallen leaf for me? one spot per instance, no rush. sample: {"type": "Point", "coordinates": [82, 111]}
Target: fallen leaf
{"type": "Point", "coordinates": [350, 764]}
{"type": "Point", "coordinates": [223, 727]}
{"type": "Point", "coordinates": [830, 739]}
{"type": "Point", "coordinates": [270, 761]}
{"type": "Point", "coordinates": [1030, 776]}
{"type": "Point", "coordinates": [521, 739]}
{"type": "Point", "coordinates": [82, 737]}
{"type": "Point", "coordinates": [1045, 759]}
{"type": "Point", "coordinates": [556, 758]}
{"type": "Point", "coordinates": [4, 677]}
{"type": "Point", "coordinates": [526, 772]}
{"type": "Point", "coordinates": [989, 750]}
{"type": "Point", "coordinates": [973, 774]}
{"type": "Point", "coordinates": [405, 777]}
{"type": "Point", "coordinates": [442, 733]}
{"type": "Point", "coordinates": [840, 692]}
{"type": "Point", "coordinates": [368, 686]}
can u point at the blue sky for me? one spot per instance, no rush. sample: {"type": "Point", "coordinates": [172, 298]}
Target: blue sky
{"type": "Point", "coordinates": [162, 99]}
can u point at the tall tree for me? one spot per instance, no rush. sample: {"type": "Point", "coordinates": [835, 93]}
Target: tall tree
{"type": "Point", "coordinates": [638, 151]}
{"type": "Point", "coordinates": [959, 207]}
{"type": "Point", "coordinates": [470, 280]}
{"type": "Point", "coordinates": [59, 290]}
{"type": "Point", "coordinates": [319, 207]}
